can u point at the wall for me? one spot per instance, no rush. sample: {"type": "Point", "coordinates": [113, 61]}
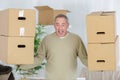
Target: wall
{"type": "Point", "coordinates": [78, 11]}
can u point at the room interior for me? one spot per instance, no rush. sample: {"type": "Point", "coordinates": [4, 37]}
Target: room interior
{"type": "Point", "coordinates": [78, 10]}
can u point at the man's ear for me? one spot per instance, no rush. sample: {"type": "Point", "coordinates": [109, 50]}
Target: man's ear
{"type": "Point", "coordinates": [68, 25]}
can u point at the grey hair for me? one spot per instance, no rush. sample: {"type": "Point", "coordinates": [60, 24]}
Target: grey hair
{"type": "Point", "coordinates": [61, 15]}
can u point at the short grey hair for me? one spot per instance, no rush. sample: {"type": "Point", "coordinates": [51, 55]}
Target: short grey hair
{"type": "Point", "coordinates": [61, 15]}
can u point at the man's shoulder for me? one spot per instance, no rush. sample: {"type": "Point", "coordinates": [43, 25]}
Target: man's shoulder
{"type": "Point", "coordinates": [48, 36]}
{"type": "Point", "coordinates": [74, 35]}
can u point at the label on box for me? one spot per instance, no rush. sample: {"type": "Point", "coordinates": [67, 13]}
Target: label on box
{"type": "Point", "coordinates": [22, 30]}
{"type": "Point", "coordinates": [21, 13]}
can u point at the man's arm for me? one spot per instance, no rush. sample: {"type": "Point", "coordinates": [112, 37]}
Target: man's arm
{"type": "Point", "coordinates": [82, 53]}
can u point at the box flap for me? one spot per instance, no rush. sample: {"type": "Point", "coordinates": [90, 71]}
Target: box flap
{"type": "Point", "coordinates": [49, 8]}
{"type": "Point", "coordinates": [43, 8]}
{"type": "Point", "coordinates": [107, 13]}
{"type": "Point", "coordinates": [102, 13]}
{"type": "Point", "coordinates": [63, 11]}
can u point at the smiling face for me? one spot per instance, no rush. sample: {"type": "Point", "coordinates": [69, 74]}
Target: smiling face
{"type": "Point", "coordinates": [61, 25]}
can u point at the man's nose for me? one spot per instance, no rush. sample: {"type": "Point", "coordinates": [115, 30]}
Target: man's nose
{"type": "Point", "coordinates": [60, 27]}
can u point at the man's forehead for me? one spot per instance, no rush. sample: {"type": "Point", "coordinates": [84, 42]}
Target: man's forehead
{"type": "Point", "coordinates": [61, 19]}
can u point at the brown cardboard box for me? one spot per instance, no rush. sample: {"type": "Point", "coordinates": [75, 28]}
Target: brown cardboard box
{"type": "Point", "coordinates": [103, 56]}
{"type": "Point", "coordinates": [17, 22]}
{"type": "Point", "coordinates": [101, 27]}
{"type": "Point", "coordinates": [47, 14]}
{"type": "Point", "coordinates": [17, 50]}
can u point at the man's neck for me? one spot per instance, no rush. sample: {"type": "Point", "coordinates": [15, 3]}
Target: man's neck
{"type": "Point", "coordinates": [62, 37]}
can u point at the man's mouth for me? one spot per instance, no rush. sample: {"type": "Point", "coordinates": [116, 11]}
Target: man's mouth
{"type": "Point", "coordinates": [60, 32]}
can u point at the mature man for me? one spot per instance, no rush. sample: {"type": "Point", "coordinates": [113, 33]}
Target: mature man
{"type": "Point", "coordinates": [61, 50]}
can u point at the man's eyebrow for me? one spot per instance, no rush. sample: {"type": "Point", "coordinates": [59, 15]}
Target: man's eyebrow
{"type": "Point", "coordinates": [56, 23]}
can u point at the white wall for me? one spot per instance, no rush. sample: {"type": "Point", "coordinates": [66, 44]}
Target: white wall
{"type": "Point", "coordinates": [78, 11]}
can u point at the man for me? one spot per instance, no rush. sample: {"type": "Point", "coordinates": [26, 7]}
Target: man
{"type": "Point", "coordinates": [61, 49]}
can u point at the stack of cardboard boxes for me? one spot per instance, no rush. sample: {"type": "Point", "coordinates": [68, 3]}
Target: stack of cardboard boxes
{"type": "Point", "coordinates": [102, 41]}
{"type": "Point", "coordinates": [17, 31]}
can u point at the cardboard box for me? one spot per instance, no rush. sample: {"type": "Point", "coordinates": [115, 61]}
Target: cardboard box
{"type": "Point", "coordinates": [103, 56]}
{"type": "Point", "coordinates": [47, 14]}
{"type": "Point", "coordinates": [17, 22]}
{"type": "Point", "coordinates": [17, 50]}
{"type": "Point", "coordinates": [101, 27]}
